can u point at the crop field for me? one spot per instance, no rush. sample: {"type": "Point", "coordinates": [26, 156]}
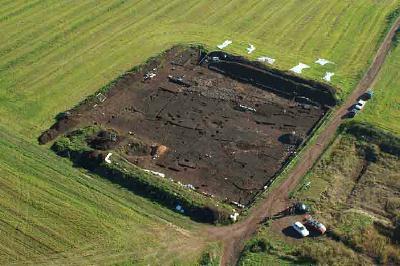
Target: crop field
{"type": "Point", "coordinates": [384, 109]}
{"type": "Point", "coordinates": [52, 213]}
{"type": "Point", "coordinates": [353, 190]}
{"type": "Point", "coordinates": [54, 54]}
{"type": "Point", "coordinates": [57, 53]}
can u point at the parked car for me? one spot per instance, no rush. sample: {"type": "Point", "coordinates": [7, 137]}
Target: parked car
{"type": "Point", "coordinates": [315, 225]}
{"type": "Point", "coordinates": [299, 227]}
{"type": "Point", "coordinates": [352, 113]}
{"type": "Point", "coordinates": [301, 208]}
{"type": "Point", "coordinates": [368, 95]}
{"type": "Point", "coordinates": [360, 104]}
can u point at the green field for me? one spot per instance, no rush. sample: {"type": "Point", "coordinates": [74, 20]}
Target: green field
{"type": "Point", "coordinates": [360, 210]}
{"type": "Point", "coordinates": [54, 54]}
{"type": "Point", "coordinates": [57, 53]}
{"type": "Point", "coordinates": [384, 109]}
{"type": "Point", "coordinates": [52, 213]}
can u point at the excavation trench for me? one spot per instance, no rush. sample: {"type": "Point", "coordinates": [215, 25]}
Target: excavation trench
{"type": "Point", "coordinates": [217, 122]}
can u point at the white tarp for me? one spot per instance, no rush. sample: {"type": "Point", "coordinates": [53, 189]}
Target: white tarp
{"type": "Point", "coordinates": [154, 172]}
{"type": "Point", "coordinates": [250, 49]}
{"type": "Point", "coordinates": [234, 216]}
{"type": "Point", "coordinates": [189, 186]}
{"type": "Point", "coordinates": [328, 76]}
{"type": "Point", "coordinates": [299, 68]}
{"type": "Point", "coordinates": [323, 62]}
{"type": "Point", "coordinates": [107, 159]}
{"type": "Point", "coordinates": [224, 44]}
{"type": "Point", "coordinates": [266, 59]}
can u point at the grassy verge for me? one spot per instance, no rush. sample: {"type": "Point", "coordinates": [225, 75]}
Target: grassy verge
{"type": "Point", "coordinates": [352, 190]}
{"type": "Point", "coordinates": [383, 110]}
{"type": "Point", "coordinates": [267, 249]}
{"type": "Point", "coordinates": [386, 141]}
{"type": "Point", "coordinates": [211, 256]}
{"type": "Point", "coordinates": [54, 213]}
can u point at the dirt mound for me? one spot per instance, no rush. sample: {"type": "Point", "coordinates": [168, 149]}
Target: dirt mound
{"type": "Point", "coordinates": [137, 148]}
{"type": "Point", "coordinates": [105, 140]}
{"type": "Point", "coordinates": [290, 139]}
{"type": "Point", "coordinates": [60, 127]}
{"type": "Point", "coordinates": [158, 150]}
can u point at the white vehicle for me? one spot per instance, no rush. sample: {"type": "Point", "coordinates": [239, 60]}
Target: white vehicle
{"type": "Point", "coordinates": [300, 228]}
{"type": "Point", "coordinates": [360, 104]}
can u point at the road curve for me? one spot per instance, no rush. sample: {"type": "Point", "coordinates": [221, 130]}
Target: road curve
{"type": "Point", "coordinates": [234, 236]}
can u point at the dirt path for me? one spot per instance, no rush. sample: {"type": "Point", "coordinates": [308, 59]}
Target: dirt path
{"type": "Point", "coordinates": [233, 237]}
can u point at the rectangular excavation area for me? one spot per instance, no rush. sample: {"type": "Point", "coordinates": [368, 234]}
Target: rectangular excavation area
{"type": "Point", "coordinates": [199, 125]}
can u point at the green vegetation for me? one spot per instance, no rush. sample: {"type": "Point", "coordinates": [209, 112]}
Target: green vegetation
{"type": "Point", "coordinates": [56, 53]}
{"type": "Point", "coordinates": [386, 141]}
{"type": "Point", "coordinates": [53, 212]}
{"type": "Point", "coordinates": [356, 208]}
{"type": "Point", "coordinates": [383, 110]}
{"type": "Point", "coordinates": [68, 50]}
{"type": "Point", "coordinates": [267, 249]}
{"type": "Point", "coordinates": [353, 190]}
{"type": "Point", "coordinates": [75, 146]}
{"type": "Point", "coordinates": [211, 256]}
{"type": "Point", "coordinates": [76, 141]}
{"type": "Point", "coordinates": [288, 252]}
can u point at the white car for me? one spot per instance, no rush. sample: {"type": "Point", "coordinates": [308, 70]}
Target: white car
{"type": "Point", "coordinates": [360, 104]}
{"type": "Point", "coordinates": [300, 228]}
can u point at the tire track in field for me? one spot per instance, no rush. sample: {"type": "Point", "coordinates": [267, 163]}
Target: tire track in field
{"type": "Point", "coordinates": [117, 20]}
{"type": "Point", "coordinates": [20, 11]}
{"type": "Point", "coordinates": [44, 46]}
{"type": "Point", "coordinates": [9, 6]}
{"type": "Point", "coordinates": [22, 39]}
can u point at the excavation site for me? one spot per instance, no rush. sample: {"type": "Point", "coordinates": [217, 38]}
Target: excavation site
{"type": "Point", "coordinates": [216, 123]}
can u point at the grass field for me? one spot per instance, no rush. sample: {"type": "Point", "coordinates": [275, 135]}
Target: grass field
{"type": "Point", "coordinates": [56, 53]}
{"type": "Point", "coordinates": [52, 213]}
{"type": "Point", "coordinates": [384, 109]}
{"type": "Point", "coordinates": [357, 201]}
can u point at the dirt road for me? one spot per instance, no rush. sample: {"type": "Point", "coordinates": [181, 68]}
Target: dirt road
{"type": "Point", "coordinates": [233, 237]}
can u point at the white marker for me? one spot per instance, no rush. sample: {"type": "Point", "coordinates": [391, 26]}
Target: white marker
{"type": "Point", "coordinates": [328, 76]}
{"type": "Point", "coordinates": [299, 68]}
{"type": "Point", "coordinates": [250, 49]}
{"type": "Point", "coordinates": [266, 59]}
{"type": "Point", "coordinates": [224, 44]}
{"type": "Point", "coordinates": [323, 62]}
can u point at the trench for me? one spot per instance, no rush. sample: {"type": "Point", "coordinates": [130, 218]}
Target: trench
{"type": "Point", "coordinates": [204, 115]}
{"type": "Point", "coordinates": [282, 83]}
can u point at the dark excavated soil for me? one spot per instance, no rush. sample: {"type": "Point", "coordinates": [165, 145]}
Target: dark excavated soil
{"type": "Point", "coordinates": [194, 129]}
